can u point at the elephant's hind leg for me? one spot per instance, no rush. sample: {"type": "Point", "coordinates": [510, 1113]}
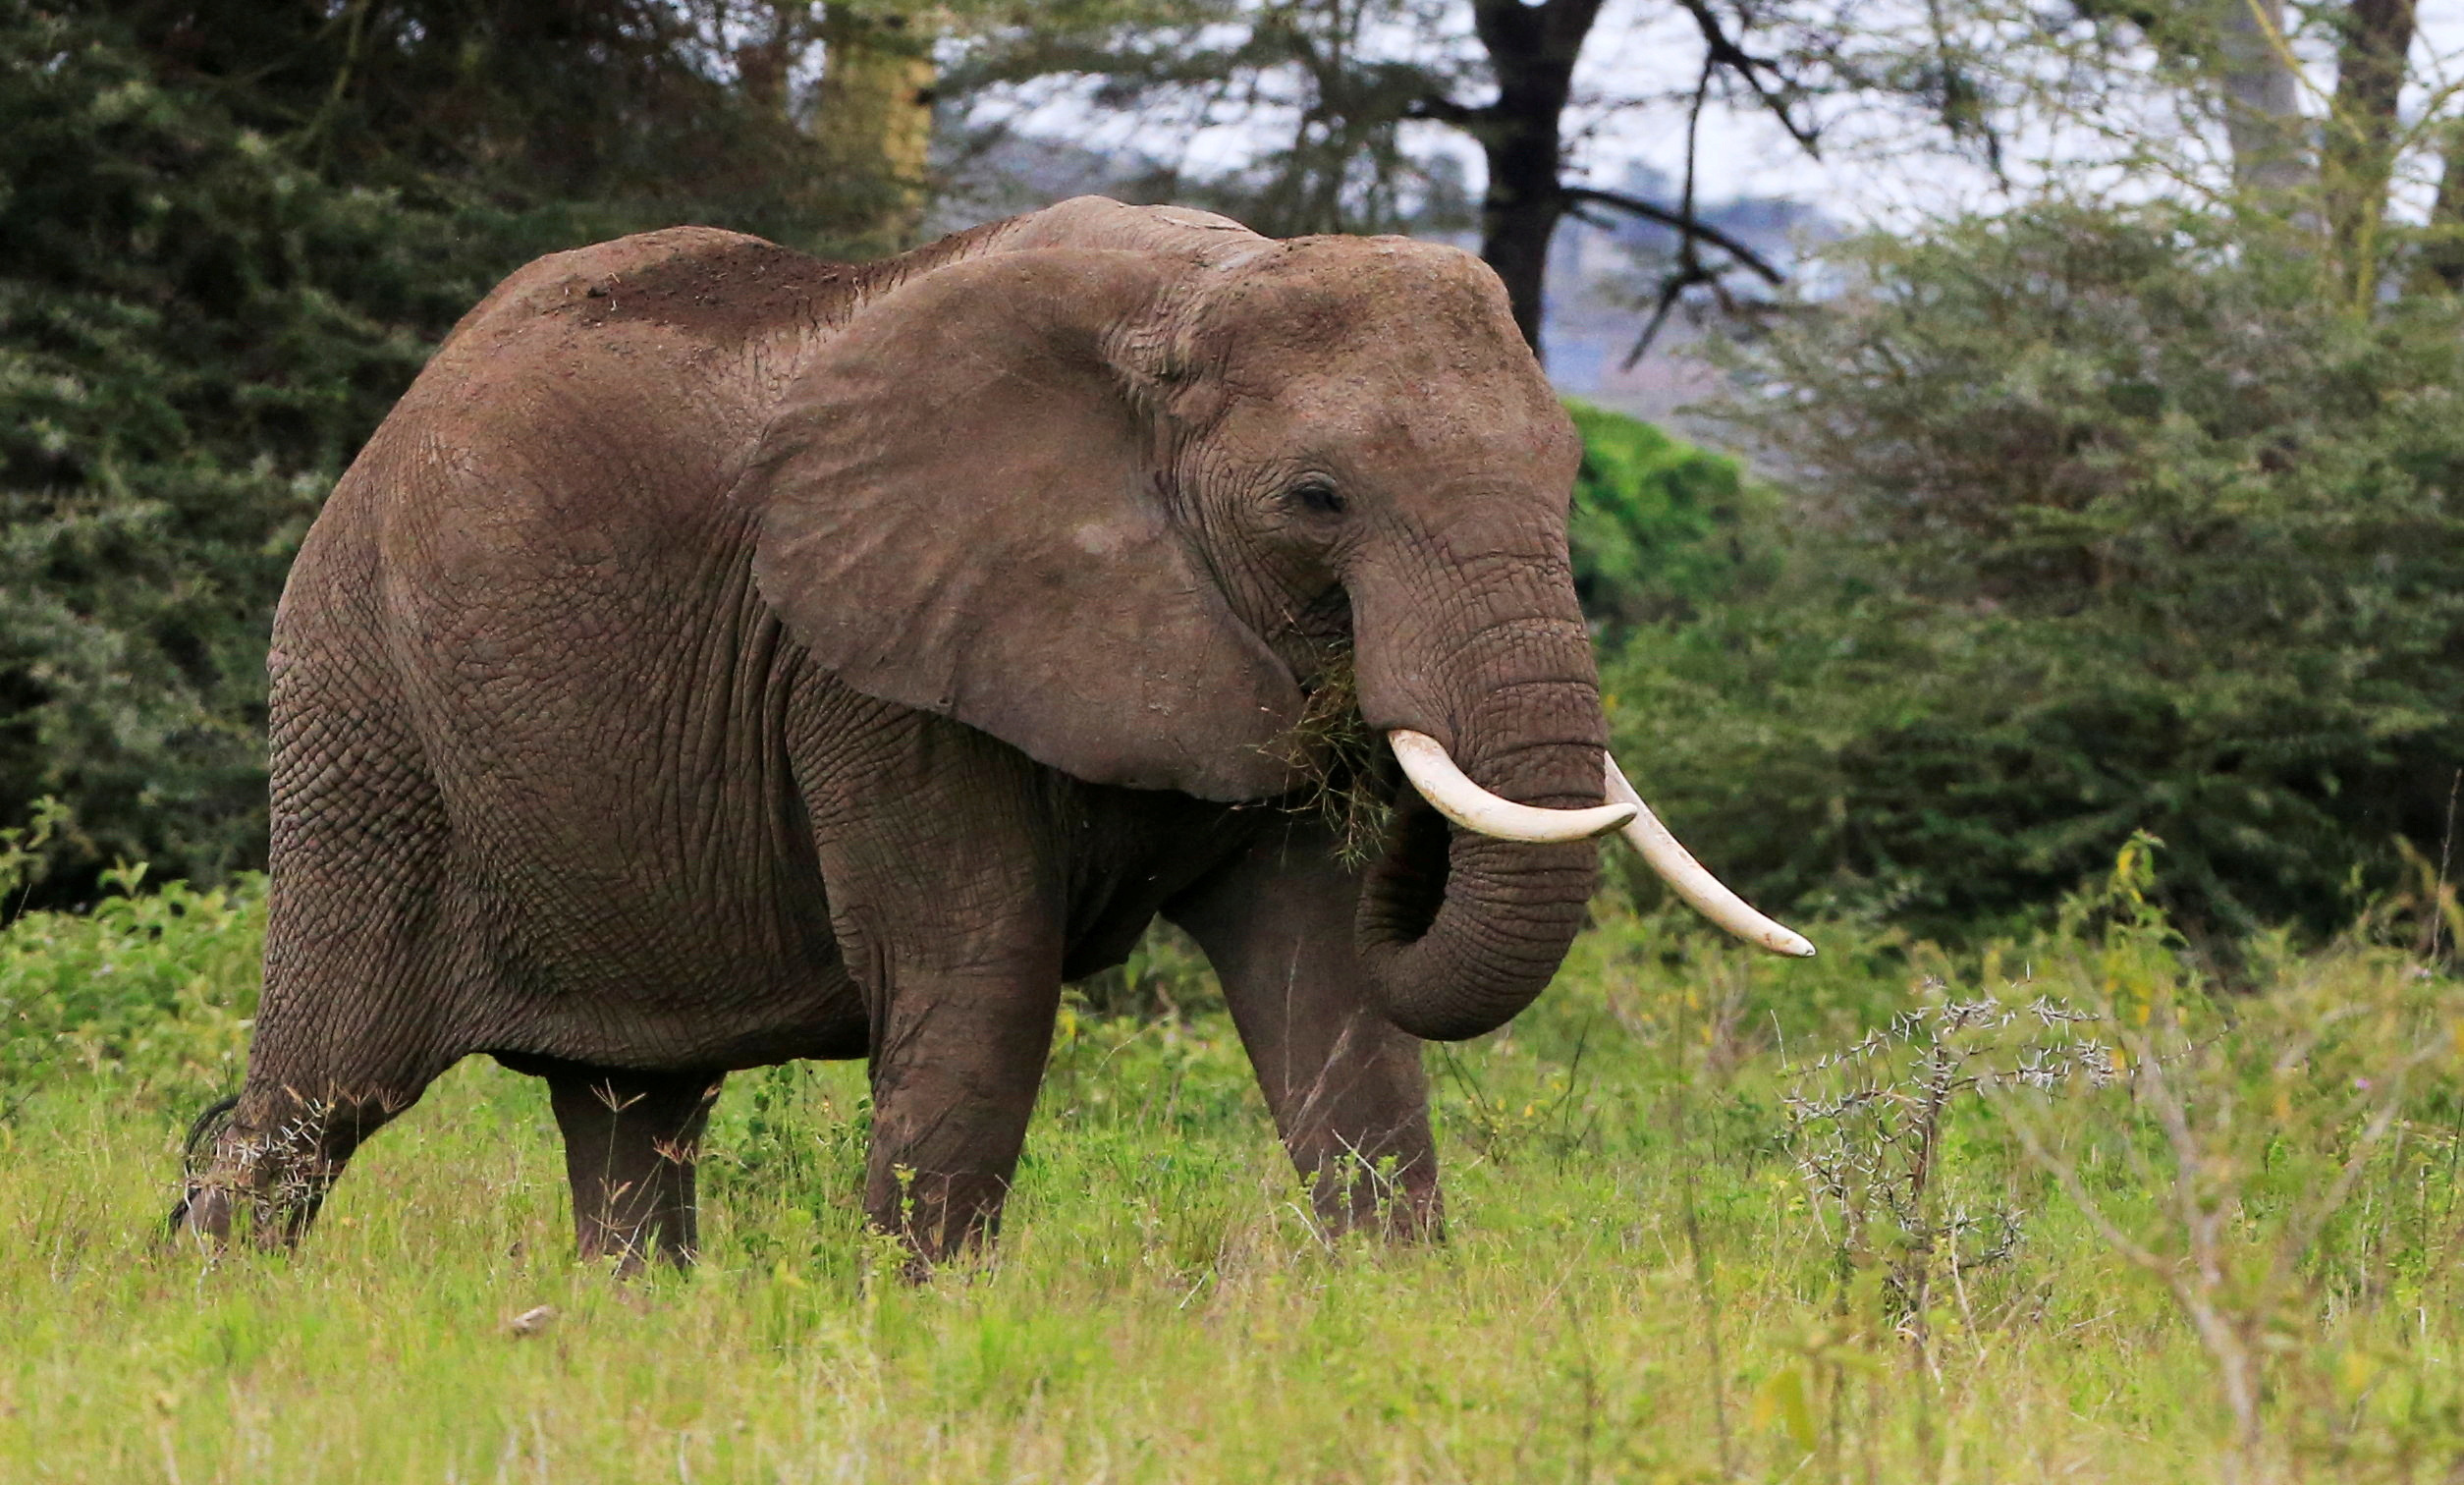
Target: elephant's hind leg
{"type": "Point", "coordinates": [631, 1143]}
{"type": "Point", "coordinates": [345, 1042]}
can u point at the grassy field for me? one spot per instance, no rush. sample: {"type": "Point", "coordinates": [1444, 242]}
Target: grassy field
{"type": "Point", "coordinates": [2057, 1211]}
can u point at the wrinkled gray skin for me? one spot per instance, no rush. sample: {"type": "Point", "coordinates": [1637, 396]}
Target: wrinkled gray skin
{"type": "Point", "coordinates": [720, 657]}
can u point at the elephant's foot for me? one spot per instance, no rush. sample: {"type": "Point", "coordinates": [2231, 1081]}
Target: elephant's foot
{"type": "Point", "coordinates": [260, 1165]}
{"type": "Point", "coordinates": [953, 1089]}
{"type": "Point", "coordinates": [1390, 1198]}
{"type": "Point", "coordinates": [938, 1216]}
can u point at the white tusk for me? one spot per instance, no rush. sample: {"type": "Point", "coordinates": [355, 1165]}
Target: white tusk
{"type": "Point", "coordinates": [1474, 809]}
{"type": "Point", "coordinates": [1701, 890]}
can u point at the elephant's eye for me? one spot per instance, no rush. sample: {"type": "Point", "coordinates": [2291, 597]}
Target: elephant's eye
{"type": "Point", "coordinates": [1317, 493]}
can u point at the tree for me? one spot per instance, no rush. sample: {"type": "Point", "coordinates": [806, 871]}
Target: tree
{"type": "Point", "coordinates": [875, 116]}
{"type": "Point", "coordinates": [194, 333]}
{"type": "Point", "coordinates": [568, 100]}
{"type": "Point", "coordinates": [1346, 78]}
{"type": "Point", "coordinates": [2248, 57]}
{"type": "Point", "coordinates": [2308, 165]}
{"type": "Point", "coordinates": [1532, 51]}
{"type": "Point", "coordinates": [2129, 517]}
{"type": "Point", "coordinates": [2359, 154]}
{"type": "Point", "coordinates": [2441, 264]}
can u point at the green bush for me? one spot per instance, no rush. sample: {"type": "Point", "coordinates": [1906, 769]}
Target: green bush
{"type": "Point", "coordinates": [194, 335]}
{"type": "Point", "coordinates": [2104, 527]}
{"type": "Point", "coordinates": [151, 991]}
{"type": "Point", "coordinates": [1658, 526]}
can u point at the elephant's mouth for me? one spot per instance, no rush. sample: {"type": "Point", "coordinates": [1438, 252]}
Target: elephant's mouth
{"type": "Point", "coordinates": [1344, 773]}
{"type": "Point", "coordinates": [1354, 780]}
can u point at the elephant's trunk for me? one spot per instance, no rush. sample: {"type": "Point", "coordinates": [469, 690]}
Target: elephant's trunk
{"type": "Point", "coordinates": [1459, 931]}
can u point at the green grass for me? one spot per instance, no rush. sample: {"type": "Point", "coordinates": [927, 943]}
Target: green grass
{"type": "Point", "coordinates": [1638, 1283]}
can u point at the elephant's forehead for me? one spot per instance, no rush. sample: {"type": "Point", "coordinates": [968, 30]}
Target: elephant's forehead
{"type": "Point", "coordinates": [1384, 341]}
{"type": "Point", "coordinates": [1400, 407]}
{"type": "Point", "coordinates": [1335, 293]}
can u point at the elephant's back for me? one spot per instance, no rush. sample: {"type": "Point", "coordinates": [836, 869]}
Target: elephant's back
{"type": "Point", "coordinates": [533, 567]}
{"type": "Point", "coordinates": [567, 455]}
{"type": "Point", "coordinates": [615, 385]}
{"type": "Point", "coordinates": [703, 283]}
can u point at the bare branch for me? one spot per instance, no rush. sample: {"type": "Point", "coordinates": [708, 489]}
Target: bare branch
{"type": "Point", "coordinates": [1443, 110]}
{"type": "Point", "coordinates": [1723, 50]}
{"type": "Point", "coordinates": [1683, 222]}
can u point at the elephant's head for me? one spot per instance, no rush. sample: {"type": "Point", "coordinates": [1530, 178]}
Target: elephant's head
{"type": "Point", "coordinates": [1113, 491]}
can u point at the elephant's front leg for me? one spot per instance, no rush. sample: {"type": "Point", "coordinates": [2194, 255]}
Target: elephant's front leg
{"type": "Point", "coordinates": [945, 899]}
{"type": "Point", "coordinates": [1345, 1085]}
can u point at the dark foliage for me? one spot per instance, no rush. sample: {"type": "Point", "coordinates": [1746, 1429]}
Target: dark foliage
{"type": "Point", "coordinates": [232, 233]}
{"type": "Point", "coordinates": [637, 101]}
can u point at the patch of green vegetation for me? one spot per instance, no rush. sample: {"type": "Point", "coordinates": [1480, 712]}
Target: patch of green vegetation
{"type": "Point", "coordinates": [1659, 526]}
{"type": "Point", "coordinates": [148, 993]}
{"type": "Point", "coordinates": [1711, 1216]}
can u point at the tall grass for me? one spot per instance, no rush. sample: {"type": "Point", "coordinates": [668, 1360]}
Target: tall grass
{"type": "Point", "coordinates": [1711, 1216]}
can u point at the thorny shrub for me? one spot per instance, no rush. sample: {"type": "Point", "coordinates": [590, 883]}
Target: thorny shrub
{"type": "Point", "coordinates": [2277, 1164]}
{"type": "Point", "coordinates": [1871, 1130]}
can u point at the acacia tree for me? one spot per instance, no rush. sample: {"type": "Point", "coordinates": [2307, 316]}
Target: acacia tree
{"type": "Point", "coordinates": [2305, 122]}
{"type": "Point", "coordinates": [1532, 52]}
{"type": "Point", "coordinates": [2130, 514]}
{"type": "Point", "coordinates": [1339, 82]}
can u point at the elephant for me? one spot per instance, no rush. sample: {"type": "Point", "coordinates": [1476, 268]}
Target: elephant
{"type": "Point", "coordinates": [721, 656]}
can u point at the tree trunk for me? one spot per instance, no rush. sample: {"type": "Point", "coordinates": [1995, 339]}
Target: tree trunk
{"type": "Point", "coordinates": [2442, 254]}
{"type": "Point", "coordinates": [1532, 51]}
{"type": "Point", "coordinates": [2263, 119]}
{"type": "Point", "coordinates": [875, 119]}
{"type": "Point", "coordinates": [2360, 152]}
{"type": "Point", "coordinates": [763, 57]}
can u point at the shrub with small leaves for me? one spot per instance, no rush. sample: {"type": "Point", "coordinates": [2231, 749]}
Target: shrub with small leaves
{"type": "Point", "coordinates": [154, 989]}
{"type": "Point", "coordinates": [1872, 1131]}
{"type": "Point", "coordinates": [2099, 524]}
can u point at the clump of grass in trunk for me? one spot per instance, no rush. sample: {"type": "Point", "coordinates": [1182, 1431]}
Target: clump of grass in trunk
{"type": "Point", "coordinates": [1340, 760]}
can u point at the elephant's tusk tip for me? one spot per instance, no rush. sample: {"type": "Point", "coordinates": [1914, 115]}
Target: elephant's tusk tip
{"type": "Point", "coordinates": [1686, 876]}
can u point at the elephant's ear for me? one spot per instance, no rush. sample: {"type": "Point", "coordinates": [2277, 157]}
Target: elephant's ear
{"type": "Point", "coordinates": [962, 511]}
